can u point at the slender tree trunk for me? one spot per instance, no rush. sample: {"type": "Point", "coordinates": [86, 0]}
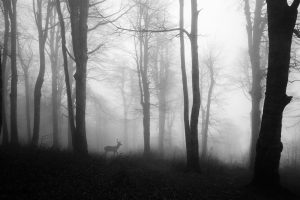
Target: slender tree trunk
{"type": "Point", "coordinates": [4, 104]}
{"type": "Point", "coordinates": [125, 121]}
{"type": "Point", "coordinates": [207, 113]}
{"type": "Point", "coordinates": [184, 87]}
{"type": "Point", "coordinates": [37, 96]}
{"type": "Point", "coordinates": [14, 74]}
{"type": "Point", "coordinates": [79, 16]}
{"type": "Point", "coordinates": [67, 76]}
{"type": "Point", "coordinates": [27, 96]}
{"type": "Point", "coordinates": [142, 67]}
{"type": "Point", "coordinates": [53, 43]}
{"type": "Point", "coordinates": [255, 32]}
{"type": "Point", "coordinates": [146, 105]}
{"type": "Point", "coordinates": [4, 76]}
{"type": "Point", "coordinates": [1, 91]}
{"type": "Point", "coordinates": [40, 79]}
{"type": "Point", "coordinates": [25, 67]}
{"type": "Point", "coordinates": [162, 120]}
{"type": "Point", "coordinates": [193, 163]}
{"type": "Point", "coordinates": [163, 70]}
{"type": "Point", "coordinates": [125, 109]}
{"type": "Point", "coordinates": [281, 22]}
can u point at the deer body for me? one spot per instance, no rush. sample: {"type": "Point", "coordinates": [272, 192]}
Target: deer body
{"type": "Point", "coordinates": [113, 149]}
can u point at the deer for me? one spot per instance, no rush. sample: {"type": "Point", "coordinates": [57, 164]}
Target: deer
{"type": "Point", "coordinates": [113, 149]}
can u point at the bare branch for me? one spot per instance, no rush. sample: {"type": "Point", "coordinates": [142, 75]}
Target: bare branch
{"type": "Point", "coordinates": [96, 49]}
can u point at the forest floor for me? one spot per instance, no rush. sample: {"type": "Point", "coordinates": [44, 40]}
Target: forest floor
{"type": "Point", "coordinates": [27, 173]}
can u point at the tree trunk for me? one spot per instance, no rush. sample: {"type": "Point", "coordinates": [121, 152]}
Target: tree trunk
{"type": "Point", "coordinates": [163, 70]}
{"type": "Point", "coordinates": [184, 86]}
{"type": "Point", "coordinates": [54, 46]}
{"type": "Point", "coordinates": [193, 163]}
{"type": "Point", "coordinates": [79, 16]}
{"type": "Point", "coordinates": [4, 76]}
{"type": "Point", "coordinates": [142, 67]}
{"type": "Point", "coordinates": [25, 67]}
{"type": "Point", "coordinates": [67, 76]}
{"type": "Point", "coordinates": [1, 91]}
{"type": "Point", "coordinates": [281, 22]}
{"type": "Point", "coordinates": [255, 32]}
{"type": "Point", "coordinates": [27, 96]}
{"type": "Point", "coordinates": [14, 74]}
{"type": "Point", "coordinates": [207, 113]}
{"type": "Point", "coordinates": [146, 105]}
{"type": "Point", "coordinates": [162, 120]}
{"type": "Point", "coordinates": [40, 79]}
{"type": "Point", "coordinates": [37, 96]}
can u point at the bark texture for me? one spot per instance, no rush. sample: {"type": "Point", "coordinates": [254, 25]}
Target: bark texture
{"type": "Point", "coordinates": [79, 16]}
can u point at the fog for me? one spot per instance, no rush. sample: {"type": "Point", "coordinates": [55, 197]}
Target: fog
{"type": "Point", "coordinates": [113, 94]}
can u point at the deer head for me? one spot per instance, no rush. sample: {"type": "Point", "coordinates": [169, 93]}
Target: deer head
{"type": "Point", "coordinates": [118, 143]}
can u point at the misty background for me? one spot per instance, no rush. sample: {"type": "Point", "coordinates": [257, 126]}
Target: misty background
{"type": "Point", "coordinates": [113, 96]}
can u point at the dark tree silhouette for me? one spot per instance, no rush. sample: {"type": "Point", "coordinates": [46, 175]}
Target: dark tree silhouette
{"type": "Point", "coordinates": [184, 84]}
{"type": "Point", "coordinates": [14, 73]}
{"type": "Point", "coordinates": [43, 34]}
{"type": "Point", "coordinates": [4, 72]}
{"type": "Point", "coordinates": [191, 129]}
{"type": "Point", "coordinates": [1, 89]}
{"type": "Point", "coordinates": [281, 22]}
{"type": "Point", "coordinates": [79, 16]}
{"type": "Point", "coordinates": [194, 162]}
{"type": "Point", "coordinates": [143, 22]}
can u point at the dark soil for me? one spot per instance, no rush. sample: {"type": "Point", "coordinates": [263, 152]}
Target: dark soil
{"type": "Point", "coordinates": [27, 173]}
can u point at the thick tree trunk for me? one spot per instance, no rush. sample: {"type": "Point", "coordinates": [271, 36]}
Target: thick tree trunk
{"type": "Point", "coordinates": [14, 74]}
{"type": "Point", "coordinates": [193, 163]}
{"type": "Point", "coordinates": [281, 22]}
{"type": "Point", "coordinates": [79, 16]}
{"type": "Point", "coordinates": [184, 85]}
